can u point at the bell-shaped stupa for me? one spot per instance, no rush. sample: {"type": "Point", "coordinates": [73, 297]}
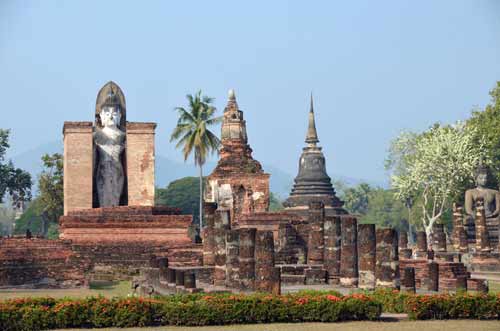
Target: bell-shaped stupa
{"type": "Point", "coordinates": [312, 182]}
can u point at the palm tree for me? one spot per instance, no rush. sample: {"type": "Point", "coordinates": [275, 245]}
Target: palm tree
{"type": "Point", "coordinates": [193, 135]}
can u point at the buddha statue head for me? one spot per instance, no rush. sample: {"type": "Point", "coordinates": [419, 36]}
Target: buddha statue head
{"type": "Point", "coordinates": [110, 114]}
{"type": "Point", "coordinates": [110, 107]}
{"type": "Point", "coordinates": [481, 175]}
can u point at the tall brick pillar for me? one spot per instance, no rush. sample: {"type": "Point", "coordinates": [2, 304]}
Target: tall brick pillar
{"type": "Point", "coordinates": [387, 266]}
{"type": "Point", "coordinates": [247, 258]}
{"type": "Point", "coordinates": [458, 233]}
{"type": "Point", "coordinates": [141, 163]}
{"type": "Point", "coordinates": [404, 251]}
{"type": "Point", "coordinates": [232, 262]}
{"type": "Point", "coordinates": [315, 245]}
{"type": "Point", "coordinates": [78, 165]}
{"type": "Point", "coordinates": [264, 261]}
{"type": "Point", "coordinates": [482, 236]}
{"type": "Point", "coordinates": [366, 255]}
{"type": "Point", "coordinates": [332, 248]}
{"type": "Point", "coordinates": [220, 229]}
{"type": "Point", "coordinates": [438, 238]}
{"type": "Point", "coordinates": [421, 244]}
{"type": "Point", "coordinates": [408, 280]}
{"type": "Point", "coordinates": [208, 234]}
{"type": "Point", "coordinates": [349, 252]}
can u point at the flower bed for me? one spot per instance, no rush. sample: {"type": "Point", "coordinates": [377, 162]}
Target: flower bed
{"type": "Point", "coordinates": [453, 306]}
{"type": "Point", "coordinates": [198, 309]}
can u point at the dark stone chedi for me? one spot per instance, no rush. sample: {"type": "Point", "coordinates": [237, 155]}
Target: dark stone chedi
{"type": "Point", "coordinates": [312, 182]}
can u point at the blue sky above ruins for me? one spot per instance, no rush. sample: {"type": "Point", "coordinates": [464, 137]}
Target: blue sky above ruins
{"type": "Point", "coordinates": [375, 68]}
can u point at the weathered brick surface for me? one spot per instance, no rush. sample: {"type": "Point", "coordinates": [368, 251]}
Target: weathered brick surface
{"type": "Point", "coordinates": [232, 262]}
{"type": "Point", "coordinates": [140, 153]}
{"type": "Point", "coordinates": [247, 258]}
{"type": "Point", "coordinates": [408, 280]}
{"type": "Point", "coordinates": [459, 235]}
{"type": "Point", "coordinates": [41, 263]}
{"type": "Point", "coordinates": [316, 240]}
{"type": "Point", "coordinates": [438, 238]}
{"type": "Point", "coordinates": [78, 165]}
{"type": "Point", "coordinates": [220, 230]}
{"type": "Point", "coordinates": [333, 238]}
{"type": "Point", "coordinates": [422, 248]}
{"type": "Point", "coordinates": [208, 234]}
{"type": "Point", "coordinates": [387, 265]}
{"type": "Point", "coordinates": [366, 255]}
{"type": "Point", "coordinates": [349, 252]}
{"type": "Point", "coordinates": [126, 224]}
{"type": "Point", "coordinates": [264, 262]}
{"type": "Point", "coordinates": [482, 237]}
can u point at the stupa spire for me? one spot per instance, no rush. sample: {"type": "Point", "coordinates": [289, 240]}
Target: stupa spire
{"type": "Point", "coordinates": [312, 135]}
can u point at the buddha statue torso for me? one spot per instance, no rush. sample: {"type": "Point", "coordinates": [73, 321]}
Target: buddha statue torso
{"type": "Point", "coordinates": [490, 197]}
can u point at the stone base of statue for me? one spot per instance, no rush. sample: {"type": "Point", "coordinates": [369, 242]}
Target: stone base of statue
{"type": "Point", "coordinates": [492, 225]}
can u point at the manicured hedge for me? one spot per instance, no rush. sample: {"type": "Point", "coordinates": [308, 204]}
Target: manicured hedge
{"type": "Point", "coordinates": [199, 309]}
{"type": "Point", "coordinates": [453, 306]}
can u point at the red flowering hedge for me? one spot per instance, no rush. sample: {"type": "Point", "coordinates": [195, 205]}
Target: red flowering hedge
{"type": "Point", "coordinates": [453, 306]}
{"type": "Point", "coordinates": [217, 309]}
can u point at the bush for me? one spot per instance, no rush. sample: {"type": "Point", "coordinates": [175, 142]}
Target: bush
{"type": "Point", "coordinates": [195, 310]}
{"type": "Point", "coordinates": [453, 306]}
{"type": "Point", "coordinates": [393, 301]}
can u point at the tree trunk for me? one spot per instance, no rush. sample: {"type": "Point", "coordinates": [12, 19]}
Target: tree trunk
{"type": "Point", "coordinates": [201, 198]}
{"type": "Point", "coordinates": [410, 233]}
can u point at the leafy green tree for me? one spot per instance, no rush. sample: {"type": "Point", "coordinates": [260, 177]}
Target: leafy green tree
{"type": "Point", "coordinates": [434, 166]}
{"type": "Point", "coordinates": [182, 193]}
{"type": "Point", "coordinates": [14, 181]}
{"type": "Point", "coordinates": [487, 125]}
{"type": "Point", "coordinates": [30, 219]}
{"type": "Point", "coordinates": [51, 186]}
{"type": "Point", "coordinates": [193, 135]}
{"type": "Point", "coordinates": [385, 210]}
{"type": "Point", "coordinates": [275, 204]}
{"type": "Point", "coordinates": [356, 199]}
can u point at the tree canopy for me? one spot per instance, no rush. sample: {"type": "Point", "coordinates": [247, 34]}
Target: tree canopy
{"type": "Point", "coordinates": [14, 181]}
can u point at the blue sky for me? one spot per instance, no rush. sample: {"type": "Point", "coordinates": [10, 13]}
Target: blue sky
{"type": "Point", "coordinates": [375, 68]}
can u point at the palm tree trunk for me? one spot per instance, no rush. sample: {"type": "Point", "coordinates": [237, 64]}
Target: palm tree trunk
{"type": "Point", "coordinates": [201, 197]}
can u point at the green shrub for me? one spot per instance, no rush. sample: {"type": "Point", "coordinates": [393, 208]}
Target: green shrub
{"type": "Point", "coordinates": [453, 306]}
{"type": "Point", "coordinates": [189, 310]}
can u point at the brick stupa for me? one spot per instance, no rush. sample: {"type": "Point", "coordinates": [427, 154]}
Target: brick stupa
{"type": "Point", "coordinates": [238, 183]}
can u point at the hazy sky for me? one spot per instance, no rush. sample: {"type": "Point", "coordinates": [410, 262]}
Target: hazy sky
{"type": "Point", "coordinates": [375, 68]}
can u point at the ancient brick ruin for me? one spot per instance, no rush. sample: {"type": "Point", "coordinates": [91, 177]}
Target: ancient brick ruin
{"type": "Point", "coordinates": [245, 247]}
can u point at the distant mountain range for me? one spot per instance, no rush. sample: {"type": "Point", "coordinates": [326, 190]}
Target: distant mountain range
{"type": "Point", "coordinates": [168, 170]}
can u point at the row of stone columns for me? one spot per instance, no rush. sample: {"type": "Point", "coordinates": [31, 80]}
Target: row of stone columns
{"type": "Point", "coordinates": [242, 258]}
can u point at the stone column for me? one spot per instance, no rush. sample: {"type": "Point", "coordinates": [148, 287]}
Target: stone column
{"type": "Point", "coordinates": [179, 278]}
{"type": "Point", "coordinates": [387, 266]}
{"type": "Point", "coordinates": [189, 280]}
{"type": "Point", "coordinates": [264, 261]}
{"type": "Point", "coordinates": [421, 244]}
{"type": "Point", "coordinates": [163, 265]}
{"type": "Point", "coordinates": [458, 226]}
{"type": "Point", "coordinates": [333, 234]}
{"type": "Point", "coordinates": [232, 253]}
{"type": "Point", "coordinates": [433, 283]}
{"type": "Point", "coordinates": [247, 258]}
{"type": "Point", "coordinates": [438, 238]}
{"type": "Point", "coordinates": [140, 154]}
{"type": "Point", "coordinates": [315, 244]}
{"type": "Point", "coordinates": [408, 280]}
{"type": "Point", "coordinates": [208, 234]}
{"type": "Point", "coordinates": [404, 251]}
{"type": "Point", "coordinates": [78, 165]}
{"type": "Point", "coordinates": [366, 255]}
{"type": "Point", "coordinates": [275, 281]}
{"type": "Point", "coordinates": [482, 237]}
{"type": "Point", "coordinates": [220, 229]}
{"type": "Point", "coordinates": [171, 277]}
{"type": "Point", "coordinates": [349, 252]}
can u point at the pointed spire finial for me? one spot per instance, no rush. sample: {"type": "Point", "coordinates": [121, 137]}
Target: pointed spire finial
{"type": "Point", "coordinates": [232, 95]}
{"type": "Point", "coordinates": [312, 135]}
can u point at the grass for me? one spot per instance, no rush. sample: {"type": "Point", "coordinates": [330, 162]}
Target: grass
{"type": "Point", "coordinates": [104, 288]}
{"type": "Point", "coordinates": [455, 325]}
{"type": "Point", "coordinates": [494, 287]}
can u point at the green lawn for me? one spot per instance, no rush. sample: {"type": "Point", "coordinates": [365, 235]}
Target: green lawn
{"type": "Point", "coordinates": [455, 325]}
{"type": "Point", "coordinates": [107, 289]}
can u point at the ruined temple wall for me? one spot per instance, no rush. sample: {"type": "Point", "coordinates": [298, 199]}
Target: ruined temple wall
{"type": "Point", "coordinates": [78, 165]}
{"type": "Point", "coordinates": [141, 163]}
{"type": "Point", "coordinates": [41, 263]}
